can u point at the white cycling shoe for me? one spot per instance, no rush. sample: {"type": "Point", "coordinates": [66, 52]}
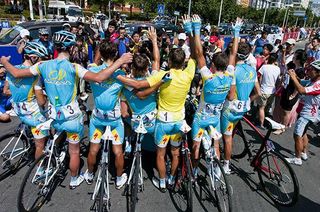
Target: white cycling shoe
{"type": "Point", "coordinates": [75, 183]}
{"type": "Point", "coordinates": [122, 181]}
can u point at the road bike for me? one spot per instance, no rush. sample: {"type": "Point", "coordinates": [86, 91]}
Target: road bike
{"type": "Point", "coordinates": [276, 176]}
{"type": "Point", "coordinates": [101, 193]}
{"type": "Point", "coordinates": [16, 148]}
{"type": "Point", "coordinates": [45, 173]}
{"type": "Point", "coordinates": [135, 180]}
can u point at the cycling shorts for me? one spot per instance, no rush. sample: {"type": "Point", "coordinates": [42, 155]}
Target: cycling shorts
{"type": "Point", "coordinates": [301, 127]}
{"type": "Point", "coordinates": [73, 127]}
{"type": "Point", "coordinates": [202, 122]}
{"type": "Point", "coordinates": [165, 131]}
{"type": "Point", "coordinates": [98, 126]}
{"type": "Point", "coordinates": [229, 120]}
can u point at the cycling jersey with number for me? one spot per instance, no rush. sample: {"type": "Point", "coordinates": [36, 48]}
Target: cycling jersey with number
{"type": "Point", "coordinates": [311, 101]}
{"type": "Point", "coordinates": [215, 89]}
{"type": "Point", "coordinates": [173, 93]}
{"type": "Point", "coordinates": [106, 94]}
{"type": "Point", "coordinates": [140, 106]}
{"type": "Point", "coordinates": [60, 79]}
{"type": "Point", "coordinates": [22, 89]}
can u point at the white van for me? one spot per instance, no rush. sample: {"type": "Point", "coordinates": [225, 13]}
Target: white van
{"type": "Point", "coordinates": [59, 9]}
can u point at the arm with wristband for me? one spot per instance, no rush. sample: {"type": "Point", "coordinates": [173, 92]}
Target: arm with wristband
{"type": "Point", "coordinates": [197, 48]}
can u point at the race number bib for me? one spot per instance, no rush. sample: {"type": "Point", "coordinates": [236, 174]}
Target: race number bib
{"type": "Point", "coordinates": [239, 106]}
{"type": "Point", "coordinates": [67, 112]}
{"type": "Point", "coordinates": [212, 108]}
{"type": "Point", "coordinates": [25, 108]}
{"type": "Point", "coordinates": [110, 115]}
{"type": "Point", "coordinates": [146, 118]}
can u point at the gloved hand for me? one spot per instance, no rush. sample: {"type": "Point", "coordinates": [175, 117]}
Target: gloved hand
{"type": "Point", "coordinates": [237, 27]}
{"type": "Point", "coordinates": [196, 24]}
{"type": "Point", "coordinates": [187, 25]}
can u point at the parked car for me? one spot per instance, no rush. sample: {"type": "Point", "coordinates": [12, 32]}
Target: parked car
{"type": "Point", "coordinates": [138, 27]}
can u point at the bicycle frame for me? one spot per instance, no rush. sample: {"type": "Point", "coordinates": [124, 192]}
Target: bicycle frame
{"type": "Point", "coordinates": [11, 157]}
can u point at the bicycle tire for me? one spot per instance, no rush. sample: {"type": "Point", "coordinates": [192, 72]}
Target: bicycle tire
{"type": "Point", "coordinates": [188, 182]}
{"type": "Point", "coordinates": [43, 160]}
{"type": "Point", "coordinates": [239, 146]}
{"type": "Point", "coordinates": [102, 206]}
{"type": "Point", "coordinates": [221, 187]}
{"type": "Point", "coordinates": [12, 165]}
{"type": "Point", "coordinates": [135, 185]}
{"type": "Point", "coordinates": [282, 178]}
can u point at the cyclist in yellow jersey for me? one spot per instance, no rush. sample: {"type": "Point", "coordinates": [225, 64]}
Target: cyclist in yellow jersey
{"type": "Point", "coordinates": [170, 116]}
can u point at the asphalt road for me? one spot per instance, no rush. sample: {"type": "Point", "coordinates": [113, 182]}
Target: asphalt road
{"type": "Point", "coordinates": [247, 194]}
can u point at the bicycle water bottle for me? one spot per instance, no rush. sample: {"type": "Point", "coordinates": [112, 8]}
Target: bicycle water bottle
{"type": "Point", "coordinates": [56, 101]}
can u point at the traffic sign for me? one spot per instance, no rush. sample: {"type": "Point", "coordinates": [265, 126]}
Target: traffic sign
{"type": "Point", "coordinates": [161, 9]}
{"type": "Point", "coordinates": [4, 24]}
{"type": "Point", "coordinates": [176, 13]}
{"type": "Point", "coordinates": [305, 18]}
{"type": "Point", "coordinates": [299, 13]}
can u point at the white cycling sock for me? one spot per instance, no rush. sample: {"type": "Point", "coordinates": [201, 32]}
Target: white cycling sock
{"type": "Point", "coordinates": [162, 182]}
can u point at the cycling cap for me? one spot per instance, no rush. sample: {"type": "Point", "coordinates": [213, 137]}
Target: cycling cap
{"type": "Point", "coordinates": [64, 38]}
{"type": "Point", "coordinates": [43, 31]}
{"type": "Point", "coordinates": [35, 49]}
{"type": "Point", "coordinates": [316, 65]}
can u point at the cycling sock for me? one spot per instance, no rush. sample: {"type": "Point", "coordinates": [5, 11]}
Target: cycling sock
{"type": "Point", "coordinates": [227, 162]}
{"type": "Point", "coordinates": [162, 182]}
{"type": "Point", "coordinates": [119, 178]}
{"type": "Point", "coordinates": [73, 179]}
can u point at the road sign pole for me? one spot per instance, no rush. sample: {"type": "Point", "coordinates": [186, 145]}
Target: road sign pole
{"type": "Point", "coordinates": [285, 16]}
{"type": "Point", "coordinates": [220, 11]}
{"type": "Point", "coordinates": [31, 9]}
{"type": "Point", "coordinates": [264, 15]}
{"type": "Point", "coordinates": [189, 8]}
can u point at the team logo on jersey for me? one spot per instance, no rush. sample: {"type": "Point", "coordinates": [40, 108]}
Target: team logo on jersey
{"type": "Point", "coordinates": [249, 77]}
{"type": "Point", "coordinates": [57, 78]}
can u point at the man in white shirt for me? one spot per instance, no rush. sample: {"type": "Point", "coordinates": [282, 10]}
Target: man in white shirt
{"type": "Point", "coordinates": [269, 76]}
{"type": "Point", "coordinates": [182, 37]}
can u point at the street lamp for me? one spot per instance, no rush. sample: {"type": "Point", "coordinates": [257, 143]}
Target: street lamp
{"type": "Point", "coordinates": [31, 9]}
{"type": "Point", "coordinates": [265, 12]}
{"type": "Point", "coordinates": [220, 12]}
{"type": "Point", "coordinates": [189, 8]}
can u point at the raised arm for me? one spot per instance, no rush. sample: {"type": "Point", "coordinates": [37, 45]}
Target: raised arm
{"type": "Point", "coordinates": [196, 48]}
{"type": "Point", "coordinates": [15, 72]}
{"type": "Point", "coordinates": [106, 73]}
{"type": "Point", "coordinates": [297, 85]}
{"type": "Point", "coordinates": [236, 30]}
{"type": "Point", "coordinates": [155, 49]}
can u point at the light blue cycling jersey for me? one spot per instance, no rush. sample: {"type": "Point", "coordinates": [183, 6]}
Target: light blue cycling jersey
{"type": "Point", "coordinates": [106, 94]}
{"type": "Point", "coordinates": [22, 89]}
{"type": "Point", "coordinates": [60, 79]}
{"type": "Point", "coordinates": [246, 77]}
{"type": "Point", "coordinates": [140, 106]}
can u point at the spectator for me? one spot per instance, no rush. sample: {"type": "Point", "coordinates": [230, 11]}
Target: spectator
{"type": "Point", "coordinates": [276, 45]}
{"type": "Point", "coordinates": [74, 30]}
{"type": "Point", "coordinates": [182, 37]}
{"type": "Point", "coordinates": [313, 51]}
{"type": "Point", "coordinates": [135, 43]}
{"type": "Point", "coordinates": [263, 57]}
{"type": "Point", "coordinates": [259, 43]}
{"type": "Point", "coordinates": [25, 35]}
{"type": "Point", "coordinates": [269, 76]}
{"type": "Point", "coordinates": [44, 40]}
{"type": "Point", "coordinates": [286, 54]}
{"type": "Point", "coordinates": [111, 34]}
{"type": "Point", "coordinates": [5, 103]}
{"type": "Point", "coordinates": [123, 41]}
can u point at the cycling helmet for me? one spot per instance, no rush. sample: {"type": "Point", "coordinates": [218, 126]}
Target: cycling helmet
{"type": "Point", "coordinates": [43, 31]}
{"type": "Point", "coordinates": [34, 48]}
{"type": "Point", "coordinates": [316, 65]}
{"type": "Point", "coordinates": [64, 38]}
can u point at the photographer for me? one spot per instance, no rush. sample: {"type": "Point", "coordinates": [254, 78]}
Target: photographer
{"type": "Point", "coordinates": [122, 41]}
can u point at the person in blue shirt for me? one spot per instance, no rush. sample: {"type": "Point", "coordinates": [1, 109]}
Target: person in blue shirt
{"type": "Point", "coordinates": [246, 79]}
{"type": "Point", "coordinates": [5, 103]}
{"type": "Point", "coordinates": [123, 41]}
{"type": "Point", "coordinates": [61, 80]}
{"type": "Point", "coordinates": [27, 95]}
{"type": "Point", "coordinates": [44, 40]}
{"type": "Point", "coordinates": [260, 42]}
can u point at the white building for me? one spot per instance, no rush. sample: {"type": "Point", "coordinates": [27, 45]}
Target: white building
{"type": "Point", "coordinates": [260, 4]}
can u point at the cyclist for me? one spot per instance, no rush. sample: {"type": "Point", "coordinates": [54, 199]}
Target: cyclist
{"type": "Point", "coordinates": [60, 79]}
{"type": "Point", "coordinates": [246, 79]}
{"type": "Point", "coordinates": [106, 113]}
{"type": "Point", "coordinates": [142, 103]}
{"type": "Point", "coordinates": [170, 116]}
{"type": "Point", "coordinates": [309, 112]}
{"type": "Point", "coordinates": [217, 82]}
{"type": "Point", "coordinates": [27, 95]}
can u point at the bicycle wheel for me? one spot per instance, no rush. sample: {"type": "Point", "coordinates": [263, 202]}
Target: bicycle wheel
{"type": "Point", "coordinates": [220, 186]}
{"type": "Point", "coordinates": [134, 185]}
{"type": "Point", "coordinates": [239, 147]}
{"type": "Point", "coordinates": [103, 203]}
{"type": "Point", "coordinates": [187, 182]}
{"type": "Point", "coordinates": [278, 178]}
{"type": "Point", "coordinates": [8, 162]}
{"type": "Point", "coordinates": [33, 191]}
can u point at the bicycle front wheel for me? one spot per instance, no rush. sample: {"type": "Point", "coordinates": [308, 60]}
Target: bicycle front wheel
{"type": "Point", "coordinates": [12, 151]}
{"type": "Point", "coordinates": [187, 182]}
{"type": "Point", "coordinates": [134, 185]}
{"type": "Point", "coordinates": [103, 202]}
{"type": "Point", "coordinates": [220, 186]}
{"type": "Point", "coordinates": [38, 183]}
{"type": "Point", "coordinates": [239, 149]}
{"type": "Point", "coordinates": [278, 179]}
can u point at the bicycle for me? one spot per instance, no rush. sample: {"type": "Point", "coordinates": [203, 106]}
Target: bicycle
{"type": "Point", "coordinates": [44, 173]}
{"type": "Point", "coordinates": [185, 178]}
{"type": "Point", "coordinates": [135, 180]}
{"type": "Point", "coordinates": [15, 148]}
{"type": "Point", "coordinates": [101, 193]}
{"type": "Point", "coordinates": [276, 181]}
{"type": "Point", "coordinates": [219, 185]}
